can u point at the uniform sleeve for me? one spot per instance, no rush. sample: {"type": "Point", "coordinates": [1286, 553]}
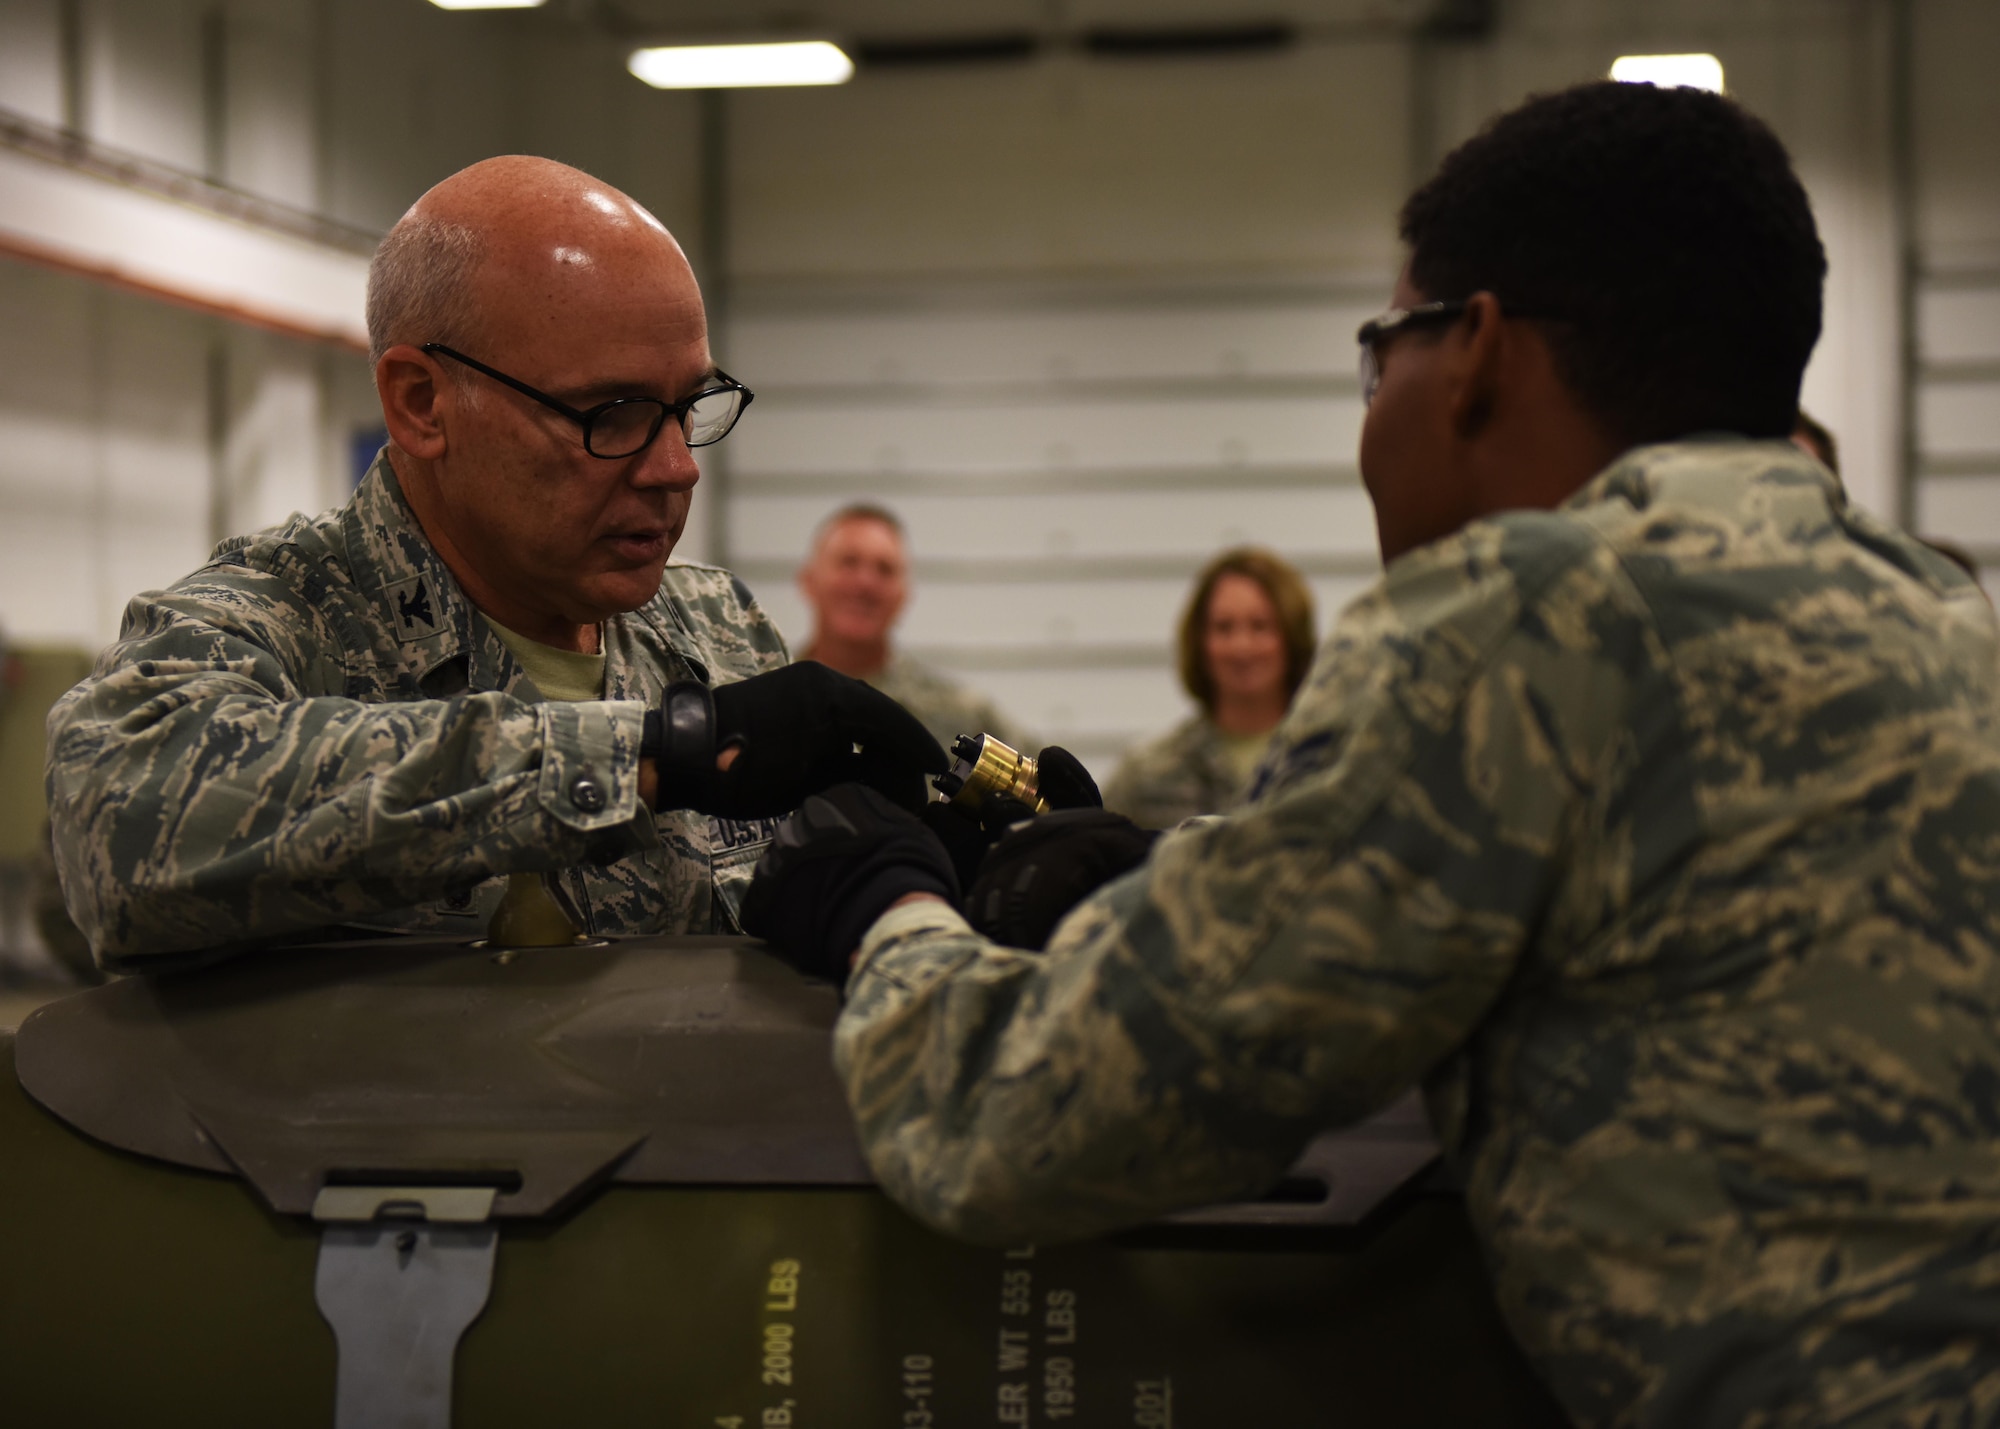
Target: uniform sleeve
{"type": "Point", "coordinates": [1160, 784]}
{"type": "Point", "coordinates": [1280, 971]}
{"type": "Point", "coordinates": [200, 798]}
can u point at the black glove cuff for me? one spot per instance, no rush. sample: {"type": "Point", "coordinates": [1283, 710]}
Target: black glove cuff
{"type": "Point", "coordinates": [832, 869]}
{"type": "Point", "coordinates": [680, 737]}
{"type": "Point", "coordinates": [868, 898]}
{"type": "Point", "coordinates": [1040, 871]}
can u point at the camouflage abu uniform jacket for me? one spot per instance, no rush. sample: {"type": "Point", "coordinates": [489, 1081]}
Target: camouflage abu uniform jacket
{"type": "Point", "coordinates": [316, 728]}
{"type": "Point", "coordinates": [946, 708]}
{"type": "Point", "coordinates": [1183, 773]}
{"type": "Point", "coordinates": [1659, 837]}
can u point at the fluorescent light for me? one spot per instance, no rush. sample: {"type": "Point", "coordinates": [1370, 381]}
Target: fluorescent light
{"type": "Point", "coordinates": [1670, 71]}
{"type": "Point", "coordinates": [487, 4]}
{"type": "Point", "coordinates": [742, 66]}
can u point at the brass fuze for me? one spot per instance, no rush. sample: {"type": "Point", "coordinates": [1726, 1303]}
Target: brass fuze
{"type": "Point", "coordinates": [983, 770]}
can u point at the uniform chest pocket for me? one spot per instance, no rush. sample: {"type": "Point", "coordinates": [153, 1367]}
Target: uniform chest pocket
{"type": "Point", "coordinates": [734, 846]}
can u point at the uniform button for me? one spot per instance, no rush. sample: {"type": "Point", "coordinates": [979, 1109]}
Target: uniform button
{"type": "Point", "coordinates": [586, 795]}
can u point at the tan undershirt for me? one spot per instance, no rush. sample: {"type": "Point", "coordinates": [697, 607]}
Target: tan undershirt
{"type": "Point", "coordinates": [558, 674]}
{"type": "Point", "coordinates": [1240, 753]}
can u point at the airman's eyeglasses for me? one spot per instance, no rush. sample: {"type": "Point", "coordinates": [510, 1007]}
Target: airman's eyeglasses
{"type": "Point", "coordinates": [1376, 330]}
{"type": "Point", "coordinates": [626, 426]}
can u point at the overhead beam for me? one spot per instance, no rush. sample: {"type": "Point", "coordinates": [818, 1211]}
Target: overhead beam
{"type": "Point", "coordinates": [63, 206]}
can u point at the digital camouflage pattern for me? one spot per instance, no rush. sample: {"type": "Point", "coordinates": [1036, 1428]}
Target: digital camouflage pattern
{"type": "Point", "coordinates": [1185, 772]}
{"type": "Point", "coordinates": [317, 728]}
{"type": "Point", "coordinates": [52, 921]}
{"type": "Point", "coordinates": [1659, 839]}
{"type": "Point", "coordinates": [946, 708]}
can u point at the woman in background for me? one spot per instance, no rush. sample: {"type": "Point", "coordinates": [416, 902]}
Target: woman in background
{"type": "Point", "coordinates": [1246, 640]}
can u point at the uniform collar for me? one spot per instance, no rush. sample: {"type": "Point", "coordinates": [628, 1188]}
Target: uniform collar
{"type": "Point", "coordinates": [435, 625]}
{"type": "Point", "coordinates": [1749, 469]}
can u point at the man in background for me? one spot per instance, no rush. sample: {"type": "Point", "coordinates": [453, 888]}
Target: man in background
{"type": "Point", "coordinates": [857, 580]}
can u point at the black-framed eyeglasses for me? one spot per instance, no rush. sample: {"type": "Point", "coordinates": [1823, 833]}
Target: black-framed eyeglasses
{"type": "Point", "coordinates": [626, 426]}
{"type": "Point", "coordinates": [1396, 320]}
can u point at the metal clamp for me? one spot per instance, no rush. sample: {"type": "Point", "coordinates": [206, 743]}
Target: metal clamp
{"type": "Point", "coordinates": [403, 1270]}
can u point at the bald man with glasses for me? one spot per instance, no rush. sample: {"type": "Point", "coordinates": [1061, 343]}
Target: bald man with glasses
{"type": "Point", "coordinates": [485, 664]}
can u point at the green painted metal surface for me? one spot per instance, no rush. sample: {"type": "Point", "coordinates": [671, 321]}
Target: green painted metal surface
{"type": "Point", "coordinates": [137, 1291]}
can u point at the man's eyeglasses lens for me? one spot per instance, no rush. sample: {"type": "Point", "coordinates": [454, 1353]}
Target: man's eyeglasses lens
{"type": "Point", "coordinates": [710, 416]}
{"type": "Point", "coordinates": [627, 427]}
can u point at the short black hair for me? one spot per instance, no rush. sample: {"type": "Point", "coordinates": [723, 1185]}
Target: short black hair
{"type": "Point", "coordinates": [1663, 234]}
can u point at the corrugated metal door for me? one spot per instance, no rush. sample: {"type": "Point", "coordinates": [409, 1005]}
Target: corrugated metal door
{"type": "Point", "coordinates": [1958, 412]}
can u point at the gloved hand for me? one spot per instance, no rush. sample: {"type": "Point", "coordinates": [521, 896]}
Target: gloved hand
{"type": "Point", "coordinates": [1061, 780]}
{"type": "Point", "coordinates": [832, 869]}
{"type": "Point", "coordinates": [1041, 870]}
{"type": "Point", "coordinates": [796, 730]}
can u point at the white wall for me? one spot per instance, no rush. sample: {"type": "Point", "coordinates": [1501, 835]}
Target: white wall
{"type": "Point", "coordinates": [108, 477]}
{"type": "Point", "coordinates": [1958, 396]}
{"type": "Point", "coordinates": [30, 64]}
{"type": "Point", "coordinates": [103, 465]}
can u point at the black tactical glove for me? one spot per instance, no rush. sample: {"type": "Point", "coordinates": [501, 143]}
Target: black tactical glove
{"type": "Point", "coordinates": [1061, 780]}
{"type": "Point", "coordinates": [832, 869]}
{"type": "Point", "coordinates": [1041, 870]}
{"type": "Point", "coordinates": [796, 730]}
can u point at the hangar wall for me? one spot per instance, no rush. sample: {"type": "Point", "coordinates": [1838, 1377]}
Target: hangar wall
{"type": "Point", "coordinates": [1955, 436]}
{"type": "Point", "coordinates": [1083, 320]}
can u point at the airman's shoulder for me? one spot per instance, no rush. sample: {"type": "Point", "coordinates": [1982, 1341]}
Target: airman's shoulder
{"type": "Point", "coordinates": [909, 673]}
{"type": "Point", "coordinates": [1486, 576]}
{"type": "Point", "coordinates": [696, 582]}
{"type": "Point", "coordinates": [289, 570]}
{"type": "Point", "coordinates": [715, 607]}
{"type": "Point", "coordinates": [1170, 750]}
{"type": "Point", "coordinates": [275, 547]}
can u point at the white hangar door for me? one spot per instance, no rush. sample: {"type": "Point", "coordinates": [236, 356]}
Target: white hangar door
{"type": "Point", "coordinates": [1958, 413]}
{"type": "Point", "coordinates": [1065, 462]}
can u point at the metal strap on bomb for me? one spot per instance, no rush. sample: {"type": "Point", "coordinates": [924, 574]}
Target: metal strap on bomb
{"type": "Point", "coordinates": [403, 1271]}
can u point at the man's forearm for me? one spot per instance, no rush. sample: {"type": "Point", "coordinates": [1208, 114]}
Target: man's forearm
{"type": "Point", "coordinates": [1038, 1147]}
{"type": "Point", "coordinates": [193, 809]}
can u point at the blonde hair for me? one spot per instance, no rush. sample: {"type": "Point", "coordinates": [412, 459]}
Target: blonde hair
{"type": "Point", "coordinates": [857, 511]}
{"type": "Point", "coordinates": [1290, 597]}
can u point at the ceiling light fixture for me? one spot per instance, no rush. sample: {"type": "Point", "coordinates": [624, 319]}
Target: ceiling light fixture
{"type": "Point", "coordinates": [1670, 71]}
{"type": "Point", "coordinates": [742, 66]}
{"type": "Point", "coordinates": [487, 4]}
